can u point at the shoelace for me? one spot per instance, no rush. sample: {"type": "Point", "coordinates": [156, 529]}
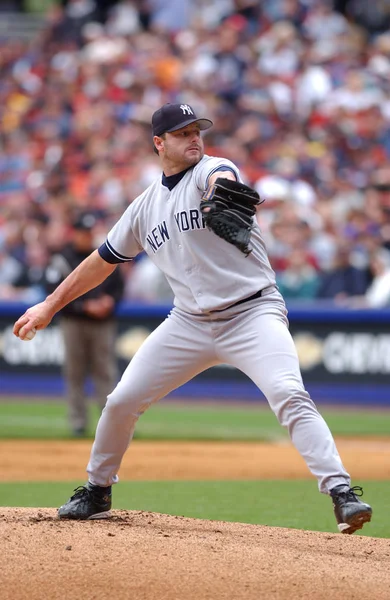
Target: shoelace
{"type": "Point", "coordinates": [353, 492]}
{"type": "Point", "coordinates": [81, 490]}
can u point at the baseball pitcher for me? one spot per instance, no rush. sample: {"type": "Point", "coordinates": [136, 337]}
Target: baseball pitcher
{"type": "Point", "coordinates": [197, 224]}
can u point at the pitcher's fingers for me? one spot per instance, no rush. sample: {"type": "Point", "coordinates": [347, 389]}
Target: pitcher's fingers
{"type": "Point", "coordinates": [23, 331]}
{"type": "Point", "coordinates": [19, 324]}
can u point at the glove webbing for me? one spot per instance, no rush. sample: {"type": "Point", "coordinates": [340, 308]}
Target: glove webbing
{"type": "Point", "coordinates": [225, 227]}
{"type": "Point", "coordinates": [228, 208]}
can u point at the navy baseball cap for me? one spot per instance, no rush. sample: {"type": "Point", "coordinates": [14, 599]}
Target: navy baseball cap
{"type": "Point", "coordinates": [172, 117]}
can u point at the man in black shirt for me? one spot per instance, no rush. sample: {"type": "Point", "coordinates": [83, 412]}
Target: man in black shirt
{"type": "Point", "coordinates": [88, 326]}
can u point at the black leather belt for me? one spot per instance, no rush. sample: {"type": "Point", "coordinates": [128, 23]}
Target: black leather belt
{"type": "Point", "coordinates": [253, 297]}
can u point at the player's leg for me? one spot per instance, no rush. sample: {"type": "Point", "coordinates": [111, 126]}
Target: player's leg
{"type": "Point", "coordinates": [268, 356]}
{"type": "Point", "coordinates": [75, 369]}
{"type": "Point", "coordinates": [174, 353]}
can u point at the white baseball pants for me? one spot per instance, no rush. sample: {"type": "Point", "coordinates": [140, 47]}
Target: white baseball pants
{"type": "Point", "coordinates": [254, 338]}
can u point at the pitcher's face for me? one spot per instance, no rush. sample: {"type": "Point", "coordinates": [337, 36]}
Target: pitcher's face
{"type": "Point", "coordinates": [180, 149]}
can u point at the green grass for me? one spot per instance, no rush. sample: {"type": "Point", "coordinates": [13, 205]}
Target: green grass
{"type": "Point", "coordinates": [47, 420]}
{"type": "Point", "coordinates": [292, 504]}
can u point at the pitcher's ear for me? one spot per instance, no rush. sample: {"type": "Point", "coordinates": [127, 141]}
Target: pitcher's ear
{"type": "Point", "coordinates": [158, 142]}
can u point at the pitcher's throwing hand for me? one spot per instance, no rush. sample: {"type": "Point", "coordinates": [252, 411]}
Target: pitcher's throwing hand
{"type": "Point", "coordinates": [35, 318]}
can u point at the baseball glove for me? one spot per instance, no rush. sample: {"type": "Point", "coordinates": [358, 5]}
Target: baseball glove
{"type": "Point", "coordinates": [228, 208]}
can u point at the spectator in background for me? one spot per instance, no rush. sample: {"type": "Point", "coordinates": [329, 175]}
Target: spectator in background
{"type": "Point", "coordinates": [68, 22]}
{"type": "Point", "coordinates": [378, 293]}
{"type": "Point", "coordinates": [123, 19]}
{"type": "Point", "coordinates": [299, 94]}
{"type": "Point", "coordinates": [374, 16]}
{"type": "Point", "coordinates": [10, 271]}
{"type": "Point", "coordinates": [343, 280]}
{"type": "Point", "coordinates": [169, 16]}
{"type": "Point", "coordinates": [279, 50]}
{"type": "Point", "coordinates": [323, 22]}
{"type": "Point", "coordinates": [378, 203]}
{"type": "Point", "coordinates": [31, 283]}
{"type": "Point", "coordinates": [299, 280]}
{"type": "Point", "coordinates": [88, 326]}
{"type": "Point", "coordinates": [230, 67]}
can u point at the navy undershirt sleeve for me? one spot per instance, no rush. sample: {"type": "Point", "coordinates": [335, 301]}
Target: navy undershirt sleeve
{"type": "Point", "coordinates": [220, 168]}
{"type": "Point", "coordinates": [108, 254]}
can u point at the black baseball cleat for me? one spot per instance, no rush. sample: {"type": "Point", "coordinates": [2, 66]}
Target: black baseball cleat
{"type": "Point", "coordinates": [89, 502]}
{"type": "Point", "coordinates": [350, 512]}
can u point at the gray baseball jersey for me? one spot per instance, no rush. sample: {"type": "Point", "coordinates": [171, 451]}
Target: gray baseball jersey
{"type": "Point", "coordinates": [205, 272]}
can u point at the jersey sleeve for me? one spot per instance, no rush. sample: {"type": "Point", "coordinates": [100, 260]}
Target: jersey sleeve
{"type": "Point", "coordinates": [211, 165]}
{"type": "Point", "coordinates": [121, 244]}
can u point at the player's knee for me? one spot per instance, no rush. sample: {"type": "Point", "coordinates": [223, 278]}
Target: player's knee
{"type": "Point", "coordinates": [287, 400]}
{"type": "Point", "coordinates": [122, 403]}
{"type": "Point", "coordinates": [284, 390]}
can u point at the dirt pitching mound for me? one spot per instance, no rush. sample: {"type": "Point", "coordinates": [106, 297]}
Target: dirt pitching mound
{"type": "Point", "coordinates": [152, 556]}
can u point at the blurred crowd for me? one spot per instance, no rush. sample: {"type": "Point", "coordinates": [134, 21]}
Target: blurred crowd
{"type": "Point", "coordinates": [299, 92]}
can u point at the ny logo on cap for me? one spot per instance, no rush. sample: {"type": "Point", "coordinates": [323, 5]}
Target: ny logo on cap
{"type": "Point", "coordinates": [186, 109]}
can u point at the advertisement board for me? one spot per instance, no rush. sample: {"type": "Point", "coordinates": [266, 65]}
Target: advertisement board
{"type": "Point", "coordinates": [344, 356]}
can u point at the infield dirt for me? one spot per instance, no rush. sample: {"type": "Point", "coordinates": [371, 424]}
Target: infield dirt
{"type": "Point", "coordinates": [23, 460]}
{"type": "Point", "coordinates": [148, 556]}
